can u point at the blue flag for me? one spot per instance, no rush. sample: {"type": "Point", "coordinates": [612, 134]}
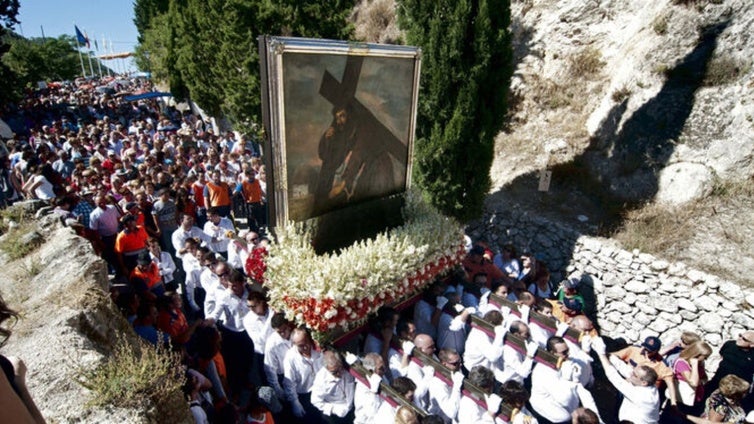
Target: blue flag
{"type": "Point", "coordinates": [80, 37]}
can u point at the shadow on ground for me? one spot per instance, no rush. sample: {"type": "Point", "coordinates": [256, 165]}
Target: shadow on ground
{"type": "Point", "coordinates": [619, 169]}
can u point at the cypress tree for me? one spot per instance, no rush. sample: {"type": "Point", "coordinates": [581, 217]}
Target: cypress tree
{"type": "Point", "coordinates": [466, 71]}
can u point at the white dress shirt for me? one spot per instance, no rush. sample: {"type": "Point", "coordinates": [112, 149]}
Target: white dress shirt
{"type": "Point", "coordinates": [451, 333]}
{"type": "Point", "coordinates": [516, 365]}
{"type": "Point", "coordinates": [219, 234]}
{"type": "Point", "coordinates": [641, 404]}
{"type": "Point", "coordinates": [539, 334]}
{"type": "Point", "coordinates": [471, 413]}
{"type": "Point", "coordinates": [274, 355]}
{"type": "Point", "coordinates": [179, 237]}
{"type": "Point", "coordinates": [366, 404]}
{"type": "Point", "coordinates": [229, 308]}
{"type": "Point", "coordinates": [259, 328]}
{"type": "Point", "coordinates": [443, 400]}
{"type": "Point", "coordinates": [333, 395]}
{"type": "Point", "coordinates": [554, 398]}
{"type": "Point", "coordinates": [299, 372]}
{"type": "Point", "coordinates": [193, 270]}
{"type": "Point", "coordinates": [481, 350]}
{"type": "Point", "coordinates": [385, 413]}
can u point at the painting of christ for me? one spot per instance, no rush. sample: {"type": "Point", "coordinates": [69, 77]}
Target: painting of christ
{"type": "Point", "coordinates": [341, 123]}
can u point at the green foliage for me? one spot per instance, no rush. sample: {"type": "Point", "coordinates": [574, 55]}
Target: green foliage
{"type": "Point", "coordinates": [155, 43]}
{"type": "Point", "coordinates": [145, 11]}
{"type": "Point", "coordinates": [37, 59]}
{"type": "Point", "coordinates": [466, 70]}
{"type": "Point", "coordinates": [209, 48]}
{"type": "Point", "coordinates": [138, 375]}
{"type": "Point", "coordinates": [9, 89]}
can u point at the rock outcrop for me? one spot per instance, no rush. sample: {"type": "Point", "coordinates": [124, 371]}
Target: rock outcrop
{"type": "Point", "coordinates": [67, 327]}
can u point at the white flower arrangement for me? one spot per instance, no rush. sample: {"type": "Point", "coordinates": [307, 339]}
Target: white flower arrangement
{"type": "Point", "coordinates": [342, 289]}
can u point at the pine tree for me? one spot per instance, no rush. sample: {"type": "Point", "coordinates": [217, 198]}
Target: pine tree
{"type": "Point", "coordinates": [466, 70]}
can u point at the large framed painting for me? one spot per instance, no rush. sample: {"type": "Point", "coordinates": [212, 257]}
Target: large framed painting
{"type": "Point", "coordinates": [340, 121]}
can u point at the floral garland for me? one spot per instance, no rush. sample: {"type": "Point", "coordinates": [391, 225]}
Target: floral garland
{"type": "Point", "coordinates": [341, 290]}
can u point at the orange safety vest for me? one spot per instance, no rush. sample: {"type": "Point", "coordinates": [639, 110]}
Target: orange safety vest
{"type": "Point", "coordinates": [218, 194]}
{"type": "Point", "coordinates": [252, 191]}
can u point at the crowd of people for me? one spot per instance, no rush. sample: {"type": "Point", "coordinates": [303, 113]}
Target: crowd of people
{"type": "Point", "coordinates": [156, 191]}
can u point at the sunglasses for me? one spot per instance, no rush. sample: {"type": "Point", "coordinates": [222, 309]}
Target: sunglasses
{"type": "Point", "coordinates": [741, 336]}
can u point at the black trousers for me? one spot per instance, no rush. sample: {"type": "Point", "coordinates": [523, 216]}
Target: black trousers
{"type": "Point", "coordinates": [238, 351]}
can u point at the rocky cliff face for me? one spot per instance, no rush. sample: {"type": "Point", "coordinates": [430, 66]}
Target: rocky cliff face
{"type": "Point", "coordinates": [653, 98]}
{"type": "Point", "coordinates": [67, 325]}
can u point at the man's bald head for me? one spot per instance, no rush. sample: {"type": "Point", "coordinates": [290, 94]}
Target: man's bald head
{"type": "Point", "coordinates": [424, 343]}
{"type": "Point", "coordinates": [581, 323]}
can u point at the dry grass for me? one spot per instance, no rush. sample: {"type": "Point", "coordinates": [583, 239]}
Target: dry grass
{"type": "Point", "coordinates": [139, 376]}
{"type": "Point", "coordinates": [375, 21]}
{"type": "Point", "coordinates": [660, 24]}
{"type": "Point", "coordinates": [656, 228]}
{"type": "Point", "coordinates": [586, 63]}
{"type": "Point", "coordinates": [667, 231]}
{"type": "Point", "coordinates": [621, 94]}
{"type": "Point", "coordinates": [15, 244]}
{"type": "Point", "coordinates": [15, 214]}
{"type": "Point", "coordinates": [725, 70]}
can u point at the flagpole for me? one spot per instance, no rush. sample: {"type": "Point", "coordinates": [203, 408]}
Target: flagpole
{"type": "Point", "coordinates": [104, 47]}
{"type": "Point", "coordinates": [89, 53]}
{"type": "Point", "coordinates": [111, 55]}
{"type": "Point", "coordinates": [81, 59]}
{"type": "Point", "coordinates": [91, 69]}
{"type": "Point", "coordinates": [99, 64]}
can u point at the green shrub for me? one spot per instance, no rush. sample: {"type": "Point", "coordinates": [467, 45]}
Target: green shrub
{"type": "Point", "coordinates": [138, 375]}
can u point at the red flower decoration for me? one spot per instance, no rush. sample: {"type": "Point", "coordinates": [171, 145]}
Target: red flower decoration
{"type": "Point", "coordinates": [256, 265]}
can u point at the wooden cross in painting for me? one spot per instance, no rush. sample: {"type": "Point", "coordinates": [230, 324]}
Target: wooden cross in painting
{"type": "Point", "coordinates": [344, 93]}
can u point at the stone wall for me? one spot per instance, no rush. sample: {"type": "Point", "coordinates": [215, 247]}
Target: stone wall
{"type": "Point", "coordinates": [634, 294]}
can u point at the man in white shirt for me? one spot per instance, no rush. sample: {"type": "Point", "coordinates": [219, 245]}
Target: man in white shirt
{"type": "Point", "coordinates": [470, 412]}
{"type": "Point", "coordinates": [517, 365]}
{"type": "Point", "coordinates": [333, 390]}
{"type": "Point", "coordinates": [104, 219]}
{"type": "Point", "coordinates": [218, 229]}
{"type": "Point", "coordinates": [553, 397]}
{"type": "Point", "coordinates": [483, 349]}
{"type": "Point", "coordinates": [186, 231]}
{"type": "Point", "coordinates": [421, 376]}
{"type": "Point", "coordinates": [366, 399]}
{"type": "Point", "coordinates": [427, 311]}
{"type": "Point", "coordinates": [300, 366]}
{"type": "Point", "coordinates": [386, 413]}
{"type": "Point", "coordinates": [166, 265]}
{"type": "Point", "coordinates": [451, 329]}
{"type": "Point", "coordinates": [641, 402]}
{"type": "Point", "coordinates": [445, 397]}
{"type": "Point", "coordinates": [228, 314]}
{"type": "Point", "coordinates": [275, 349]}
{"type": "Point", "coordinates": [258, 327]}
{"type": "Point", "coordinates": [210, 281]}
